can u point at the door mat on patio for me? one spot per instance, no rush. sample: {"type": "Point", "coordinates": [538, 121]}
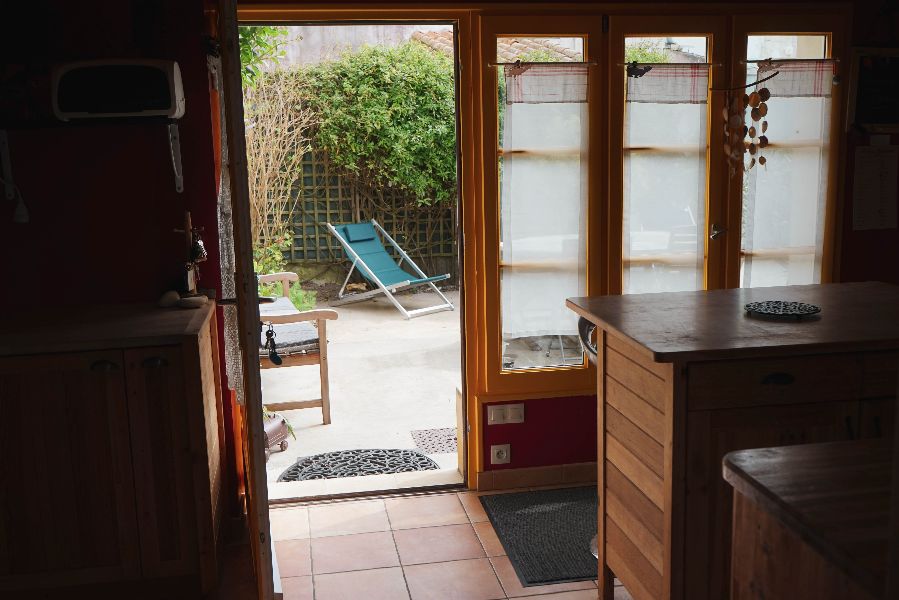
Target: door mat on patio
{"type": "Point", "coordinates": [546, 533]}
{"type": "Point", "coordinates": [354, 463]}
{"type": "Point", "coordinates": [435, 441]}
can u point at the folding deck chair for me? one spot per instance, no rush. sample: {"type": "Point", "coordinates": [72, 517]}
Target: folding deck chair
{"type": "Point", "coordinates": [361, 244]}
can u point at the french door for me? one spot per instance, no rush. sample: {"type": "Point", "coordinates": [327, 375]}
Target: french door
{"type": "Point", "coordinates": [667, 186]}
{"type": "Point", "coordinates": [542, 97]}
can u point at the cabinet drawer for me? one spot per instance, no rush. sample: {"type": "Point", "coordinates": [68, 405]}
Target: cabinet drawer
{"type": "Point", "coordinates": [760, 382]}
{"type": "Point", "coordinates": [880, 374]}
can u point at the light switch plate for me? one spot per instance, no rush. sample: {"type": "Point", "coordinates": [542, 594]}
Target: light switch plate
{"type": "Point", "coordinates": [514, 413]}
{"type": "Point", "coordinates": [500, 454]}
{"type": "Point", "coordinates": [496, 414]}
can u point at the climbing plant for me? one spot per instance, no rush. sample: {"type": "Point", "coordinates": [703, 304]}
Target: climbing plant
{"type": "Point", "coordinates": [387, 115]}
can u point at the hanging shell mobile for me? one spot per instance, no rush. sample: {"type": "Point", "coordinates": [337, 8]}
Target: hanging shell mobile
{"type": "Point", "coordinates": [742, 136]}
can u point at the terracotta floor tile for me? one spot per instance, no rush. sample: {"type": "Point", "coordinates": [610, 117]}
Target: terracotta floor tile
{"type": "Point", "coordinates": [489, 540]}
{"type": "Point", "coordinates": [437, 544]}
{"type": "Point", "coordinates": [297, 588]}
{"type": "Point", "coordinates": [293, 558]}
{"type": "Point", "coordinates": [457, 580]}
{"type": "Point", "coordinates": [425, 511]}
{"type": "Point", "coordinates": [471, 502]}
{"type": "Point", "coordinates": [289, 523]}
{"type": "Point", "coordinates": [357, 552]}
{"type": "Point", "coordinates": [376, 584]}
{"type": "Point", "coordinates": [575, 595]}
{"type": "Point", "coordinates": [514, 589]}
{"type": "Point", "coordinates": [344, 518]}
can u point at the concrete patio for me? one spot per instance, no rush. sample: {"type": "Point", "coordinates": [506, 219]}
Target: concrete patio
{"type": "Point", "coordinates": [389, 376]}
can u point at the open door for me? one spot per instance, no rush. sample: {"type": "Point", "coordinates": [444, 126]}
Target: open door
{"type": "Point", "coordinates": [247, 305]}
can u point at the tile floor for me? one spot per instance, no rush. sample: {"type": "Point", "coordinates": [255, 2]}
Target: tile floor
{"type": "Point", "coordinates": [437, 546]}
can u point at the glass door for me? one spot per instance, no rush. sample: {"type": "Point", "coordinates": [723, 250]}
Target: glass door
{"type": "Point", "coordinates": [541, 116]}
{"type": "Point", "coordinates": [665, 188]}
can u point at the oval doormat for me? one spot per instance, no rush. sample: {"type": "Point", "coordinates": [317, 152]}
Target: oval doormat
{"type": "Point", "coordinates": [355, 463]}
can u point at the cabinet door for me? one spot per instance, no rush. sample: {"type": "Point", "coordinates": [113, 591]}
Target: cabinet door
{"type": "Point", "coordinates": [162, 460]}
{"type": "Point", "coordinates": [67, 511]}
{"type": "Point", "coordinates": [878, 418]}
{"type": "Point", "coordinates": [712, 434]}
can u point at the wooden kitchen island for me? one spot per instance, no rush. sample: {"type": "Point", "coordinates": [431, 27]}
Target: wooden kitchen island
{"type": "Point", "coordinates": [684, 378]}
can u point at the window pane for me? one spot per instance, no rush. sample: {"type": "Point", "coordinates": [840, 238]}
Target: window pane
{"type": "Point", "coordinates": [539, 49]}
{"type": "Point", "coordinates": [665, 156]}
{"type": "Point", "coordinates": [783, 201]}
{"type": "Point", "coordinates": [666, 49]}
{"type": "Point", "coordinates": [543, 199]}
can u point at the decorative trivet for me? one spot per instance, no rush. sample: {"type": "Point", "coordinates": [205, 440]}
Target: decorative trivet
{"type": "Point", "coordinates": [782, 308]}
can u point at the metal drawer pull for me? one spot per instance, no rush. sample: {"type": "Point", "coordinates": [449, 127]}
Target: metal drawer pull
{"type": "Point", "coordinates": [104, 366]}
{"type": "Point", "coordinates": [778, 379]}
{"type": "Point", "coordinates": [154, 362]}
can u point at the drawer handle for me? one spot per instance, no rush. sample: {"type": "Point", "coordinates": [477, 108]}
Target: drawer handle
{"type": "Point", "coordinates": [104, 366]}
{"type": "Point", "coordinates": [778, 379]}
{"type": "Point", "coordinates": [154, 362]}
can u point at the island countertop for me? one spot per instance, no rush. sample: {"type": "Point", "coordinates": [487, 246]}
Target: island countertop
{"type": "Point", "coordinates": [835, 497]}
{"type": "Point", "coordinates": [677, 326]}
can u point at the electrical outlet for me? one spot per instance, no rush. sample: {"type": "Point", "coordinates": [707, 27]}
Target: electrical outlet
{"type": "Point", "coordinates": [514, 413]}
{"type": "Point", "coordinates": [501, 454]}
{"type": "Point", "coordinates": [496, 414]}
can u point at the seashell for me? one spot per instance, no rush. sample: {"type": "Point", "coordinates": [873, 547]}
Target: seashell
{"type": "Point", "coordinates": [764, 94]}
{"type": "Point", "coordinates": [745, 130]}
{"type": "Point", "coordinates": [763, 141]}
{"type": "Point", "coordinates": [736, 105]}
{"type": "Point", "coordinates": [751, 132]}
{"type": "Point", "coordinates": [745, 100]}
{"type": "Point", "coordinates": [751, 163]}
{"type": "Point", "coordinates": [725, 114]}
{"type": "Point", "coordinates": [764, 126]}
{"type": "Point", "coordinates": [756, 114]}
{"type": "Point", "coordinates": [754, 99]}
{"type": "Point", "coordinates": [727, 149]}
{"type": "Point", "coordinates": [736, 121]}
{"type": "Point", "coordinates": [762, 160]}
{"type": "Point", "coordinates": [752, 149]}
{"type": "Point", "coordinates": [763, 109]}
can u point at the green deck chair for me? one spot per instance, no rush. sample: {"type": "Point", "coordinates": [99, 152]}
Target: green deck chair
{"type": "Point", "coordinates": [361, 244]}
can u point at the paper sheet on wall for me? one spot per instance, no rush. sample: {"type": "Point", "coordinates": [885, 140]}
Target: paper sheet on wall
{"type": "Point", "coordinates": [874, 187]}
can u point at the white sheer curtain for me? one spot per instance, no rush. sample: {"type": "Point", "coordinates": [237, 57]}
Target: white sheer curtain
{"type": "Point", "coordinates": [784, 201]}
{"type": "Point", "coordinates": [543, 197]}
{"type": "Point", "coordinates": [665, 156]}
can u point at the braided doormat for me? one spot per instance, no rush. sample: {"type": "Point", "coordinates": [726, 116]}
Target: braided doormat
{"type": "Point", "coordinates": [435, 441]}
{"type": "Point", "coordinates": [355, 463]}
{"type": "Point", "coordinates": [547, 533]}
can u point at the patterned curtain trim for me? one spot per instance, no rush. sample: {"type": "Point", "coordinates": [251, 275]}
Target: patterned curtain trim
{"type": "Point", "coordinates": [546, 83]}
{"type": "Point", "coordinates": [799, 79]}
{"type": "Point", "coordinates": [671, 84]}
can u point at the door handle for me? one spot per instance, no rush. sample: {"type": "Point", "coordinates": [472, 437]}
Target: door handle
{"type": "Point", "coordinates": [778, 379]}
{"type": "Point", "coordinates": [104, 366]}
{"type": "Point", "coordinates": [154, 362]}
{"type": "Point", "coordinates": [716, 231]}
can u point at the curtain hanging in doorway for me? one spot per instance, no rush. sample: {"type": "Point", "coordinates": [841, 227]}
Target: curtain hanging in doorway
{"type": "Point", "coordinates": [665, 157]}
{"type": "Point", "coordinates": [231, 333]}
{"type": "Point", "coordinates": [781, 245]}
{"type": "Point", "coordinates": [543, 197]}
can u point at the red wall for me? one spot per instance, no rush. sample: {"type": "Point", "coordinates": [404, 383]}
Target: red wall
{"type": "Point", "coordinates": [101, 195]}
{"type": "Point", "coordinates": [556, 431]}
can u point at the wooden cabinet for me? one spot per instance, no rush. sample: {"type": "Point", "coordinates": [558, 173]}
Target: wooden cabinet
{"type": "Point", "coordinates": [684, 378]}
{"type": "Point", "coordinates": [112, 467]}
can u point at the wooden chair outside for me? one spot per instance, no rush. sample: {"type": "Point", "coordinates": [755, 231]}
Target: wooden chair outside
{"type": "Point", "coordinates": [300, 339]}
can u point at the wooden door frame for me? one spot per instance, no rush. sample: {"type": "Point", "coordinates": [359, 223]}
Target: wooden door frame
{"type": "Point", "coordinates": [247, 305]}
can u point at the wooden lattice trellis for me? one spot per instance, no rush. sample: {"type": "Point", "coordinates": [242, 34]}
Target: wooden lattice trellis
{"type": "Point", "coordinates": [325, 194]}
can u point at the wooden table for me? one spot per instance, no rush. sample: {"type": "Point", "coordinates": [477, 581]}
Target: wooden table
{"type": "Point", "coordinates": [684, 378]}
{"type": "Point", "coordinates": [811, 521]}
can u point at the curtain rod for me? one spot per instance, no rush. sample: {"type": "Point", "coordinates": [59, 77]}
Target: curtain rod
{"type": "Point", "coordinates": [775, 61]}
{"type": "Point", "coordinates": [518, 63]}
{"type": "Point", "coordinates": [642, 64]}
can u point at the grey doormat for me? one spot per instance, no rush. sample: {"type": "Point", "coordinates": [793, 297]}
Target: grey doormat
{"type": "Point", "coordinates": [546, 533]}
{"type": "Point", "coordinates": [354, 463]}
{"type": "Point", "coordinates": [435, 441]}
